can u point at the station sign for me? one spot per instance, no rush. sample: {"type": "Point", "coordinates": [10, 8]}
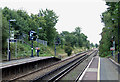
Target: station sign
{"type": "Point", "coordinates": [37, 48]}
{"type": "Point", "coordinates": [112, 48]}
{"type": "Point", "coordinates": [13, 40]}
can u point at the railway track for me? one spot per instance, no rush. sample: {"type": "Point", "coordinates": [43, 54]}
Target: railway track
{"type": "Point", "coordinates": [57, 74]}
{"type": "Point", "coordinates": [48, 70]}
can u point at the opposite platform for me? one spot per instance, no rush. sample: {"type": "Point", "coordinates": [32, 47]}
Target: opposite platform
{"type": "Point", "coordinates": [21, 61]}
{"type": "Point", "coordinates": [101, 70]}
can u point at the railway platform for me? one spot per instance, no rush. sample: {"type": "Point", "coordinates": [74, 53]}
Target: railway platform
{"type": "Point", "coordinates": [21, 61]}
{"type": "Point", "coordinates": [109, 71]}
{"type": "Point", "coordinates": [16, 67]}
{"type": "Point", "coordinates": [101, 70]}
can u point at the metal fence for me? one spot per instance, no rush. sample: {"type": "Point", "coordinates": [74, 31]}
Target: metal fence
{"type": "Point", "coordinates": [17, 40]}
{"type": "Point", "coordinates": [38, 40]}
{"type": "Point", "coordinates": [42, 42]}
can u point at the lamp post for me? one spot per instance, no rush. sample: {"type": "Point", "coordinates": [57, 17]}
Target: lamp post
{"type": "Point", "coordinates": [57, 41]}
{"type": "Point", "coordinates": [37, 40]}
{"type": "Point", "coordinates": [9, 39]}
{"type": "Point", "coordinates": [37, 34]}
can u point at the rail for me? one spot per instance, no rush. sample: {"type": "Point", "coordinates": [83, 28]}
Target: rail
{"type": "Point", "coordinates": [52, 76]}
{"type": "Point", "coordinates": [40, 70]}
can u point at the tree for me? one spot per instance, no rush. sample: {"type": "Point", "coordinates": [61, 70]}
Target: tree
{"type": "Point", "coordinates": [77, 31]}
{"type": "Point", "coordinates": [110, 19]}
{"type": "Point", "coordinates": [51, 19]}
{"type": "Point", "coordinates": [5, 33]}
{"type": "Point", "coordinates": [24, 23]}
{"type": "Point", "coordinates": [96, 45]}
{"type": "Point", "coordinates": [76, 38]}
{"type": "Point", "coordinates": [92, 45]}
{"type": "Point", "coordinates": [71, 39]}
{"type": "Point", "coordinates": [46, 19]}
{"type": "Point", "coordinates": [68, 49]}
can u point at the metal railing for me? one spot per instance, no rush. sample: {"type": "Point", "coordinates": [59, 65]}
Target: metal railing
{"type": "Point", "coordinates": [42, 42]}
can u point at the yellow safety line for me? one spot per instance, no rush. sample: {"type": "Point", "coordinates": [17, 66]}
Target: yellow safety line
{"type": "Point", "coordinates": [98, 73]}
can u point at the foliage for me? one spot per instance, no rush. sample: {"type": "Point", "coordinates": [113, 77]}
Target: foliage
{"type": "Point", "coordinates": [96, 45]}
{"type": "Point", "coordinates": [68, 49]}
{"type": "Point", "coordinates": [92, 45]}
{"type": "Point", "coordinates": [24, 23]}
{"type": "Point", "coordinates": [76, 38]}
{"type": "Point", "coordinates": [5, 34]}
{"type": "Point", "coordinates": [110, 19]}
{"type": "Point", "coordinates": [51, 19]}
{"type": "Point", "coordinates": [46, 19]}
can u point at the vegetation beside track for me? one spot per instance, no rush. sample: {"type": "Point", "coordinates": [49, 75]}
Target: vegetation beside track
{"type": "Point", "coordinates": [109, 33]}
{"type": "Point", "coordinates": [47, 19]}
{"type": "Point", "coordinates": [24, 51]}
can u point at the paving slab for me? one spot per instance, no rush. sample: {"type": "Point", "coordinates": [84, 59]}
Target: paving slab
{"type": "Point", "coordinates": [90, 76]}
{"type": "Point", "coordinates": [91, 72]}
{"type": "Point", "coordinates": [108, 70]}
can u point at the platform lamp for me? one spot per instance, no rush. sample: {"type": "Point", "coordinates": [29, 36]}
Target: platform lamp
{"type": "Point", "coordinates": [37, 34]}
{"type": "Point", "coordinates": [9, 56]}
{"type": "Point", "coordinates": [37, 39]}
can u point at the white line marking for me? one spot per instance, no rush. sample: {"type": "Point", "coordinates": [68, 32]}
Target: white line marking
{"type": "Point", "coordinates": [114, 62]}
{"type": "Point", "coordinates": [85, 70]}
{"type": "Point", "coordinates": [98, 73]}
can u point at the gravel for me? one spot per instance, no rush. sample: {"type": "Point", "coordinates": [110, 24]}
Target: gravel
{"type": "Point", "coordinates": [46, 70]}
{"type": "Point", "coordinates": [72, 75]}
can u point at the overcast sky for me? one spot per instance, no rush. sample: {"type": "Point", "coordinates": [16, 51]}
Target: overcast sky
{"type": "Point", "coordinates": [72, 13]}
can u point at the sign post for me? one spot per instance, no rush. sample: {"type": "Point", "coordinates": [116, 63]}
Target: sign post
{"type": "Point", "coordinates": [32, 50]}
{"type": "Point", "coordinates": [57, 42]}
{"type": "Point", "coordinates": [9, 41]}
{"type": "Point", "coordinates": [37, 50]}
{"type": "Point", "coordinates": [114, 49]}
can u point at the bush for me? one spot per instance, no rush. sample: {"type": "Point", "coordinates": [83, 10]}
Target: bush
{"type": "Point", "coordinates": [68, 50]}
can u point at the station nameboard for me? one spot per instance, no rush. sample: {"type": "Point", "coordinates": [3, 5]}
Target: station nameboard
{"type": "Point", "coordinates": [13, 40]}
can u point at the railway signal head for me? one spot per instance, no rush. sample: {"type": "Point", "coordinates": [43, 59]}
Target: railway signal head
{"type": "Point", "coordinates": [57, 41]}
{"type": "Point", "coordinates": [32, 35]}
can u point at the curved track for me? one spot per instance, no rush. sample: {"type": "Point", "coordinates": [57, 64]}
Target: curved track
{"type": "Point", "coordinates": [58, 73]}
{"type": "Point", "coordinates": [58, 67]}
